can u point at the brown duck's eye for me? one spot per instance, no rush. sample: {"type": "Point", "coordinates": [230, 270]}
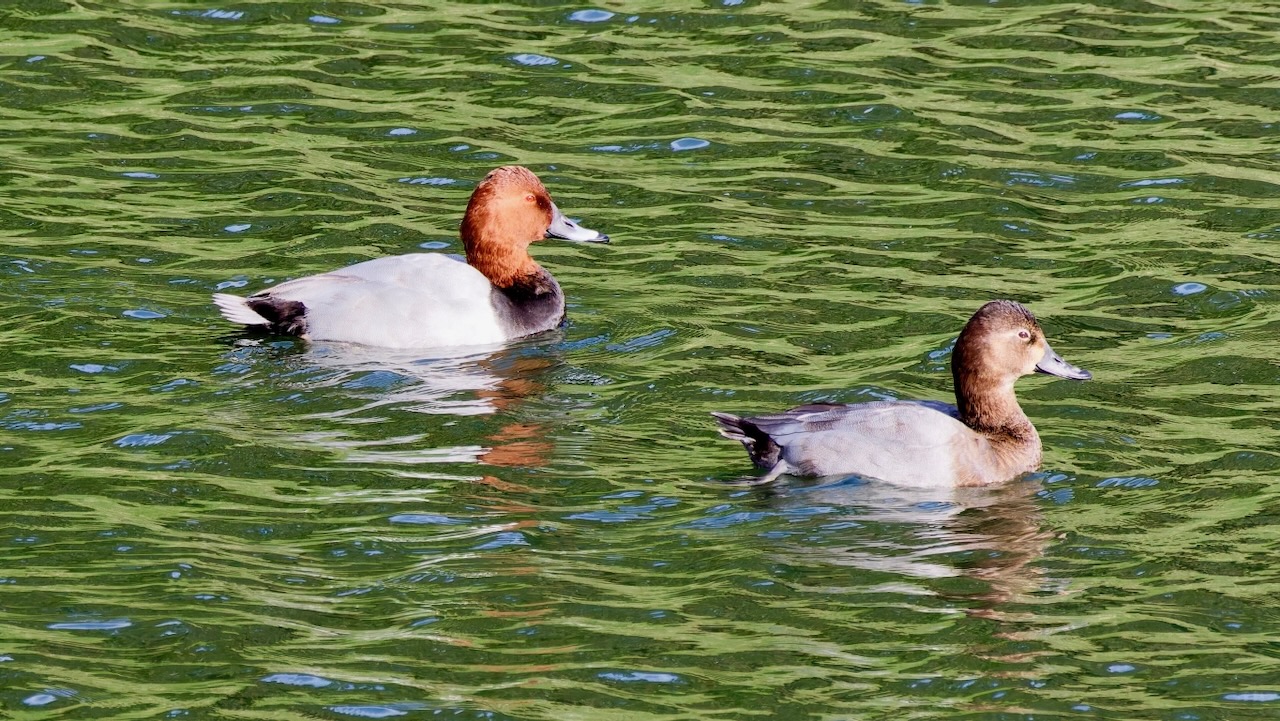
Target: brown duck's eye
{"type": "Point", "coordinates": [1024, 334]}
{"type": "Point", "coordinates": [530, 197]}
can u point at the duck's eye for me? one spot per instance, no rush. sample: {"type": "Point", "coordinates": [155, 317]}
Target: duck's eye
{"type": "Point", "coordinates": [1024, 334]}
{"type": "Point", "coordinates": [530, 197]}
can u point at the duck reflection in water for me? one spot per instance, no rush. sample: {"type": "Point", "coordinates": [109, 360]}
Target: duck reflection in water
{"type": "Point", "coordinates": [382, 383]}
{"type": "Point", "coordinates": [990, 535]}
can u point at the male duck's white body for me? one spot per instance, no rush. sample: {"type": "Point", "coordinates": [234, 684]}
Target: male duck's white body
{"type": "Point", "coordinates": [415, 300]}
{"type": "Point", "coordinates": [423, 300]}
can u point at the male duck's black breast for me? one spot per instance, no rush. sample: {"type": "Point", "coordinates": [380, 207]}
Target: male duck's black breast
{"type": "Point", "coordinates": [532, 304]}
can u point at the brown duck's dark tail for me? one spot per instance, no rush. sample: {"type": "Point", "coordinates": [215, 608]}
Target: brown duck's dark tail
{"type": "Point", "coordinates": [764, 451]}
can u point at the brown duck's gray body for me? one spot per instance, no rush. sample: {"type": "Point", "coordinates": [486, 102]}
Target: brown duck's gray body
{"type": "Point", "coordinates": [984, 439]}
{"type": "Point", "coordinates": [908, 443]}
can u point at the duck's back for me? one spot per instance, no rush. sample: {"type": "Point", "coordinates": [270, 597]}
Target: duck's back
{"type": "Point", "coordinates": [404, 301]}
{"type": "Point", "coordinates": [904, 442]}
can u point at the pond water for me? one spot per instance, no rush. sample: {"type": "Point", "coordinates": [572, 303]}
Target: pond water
{"type": "Point", "coordinates": [807, 201]}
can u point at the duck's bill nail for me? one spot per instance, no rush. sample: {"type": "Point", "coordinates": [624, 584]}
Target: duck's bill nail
{"type": "Point", "coordinates": [1053, 364]}
{"type": "Point", "coordinates": [562, 227]}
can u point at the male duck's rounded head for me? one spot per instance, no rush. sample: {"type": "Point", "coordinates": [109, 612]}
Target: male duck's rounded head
{"type": "Point", "coordinates": [1003, 341]}
{"type": "Point", "coordinates": [508, 210]}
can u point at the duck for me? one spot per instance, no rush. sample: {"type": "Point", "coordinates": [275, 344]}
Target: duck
{"type": "Point", "coordinates": [496, 293]}
{"type": "Point", "coordinates": [984, 439]}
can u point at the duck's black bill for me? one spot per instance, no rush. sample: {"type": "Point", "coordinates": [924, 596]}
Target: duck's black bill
{"type": "Point", "coordinates": [1053, 364]}
{"type": "Point", "coordinates": [562, 227]}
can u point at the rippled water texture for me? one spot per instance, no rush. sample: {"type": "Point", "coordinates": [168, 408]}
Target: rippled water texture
{"type": "Point", "coordinates": [807, 201]}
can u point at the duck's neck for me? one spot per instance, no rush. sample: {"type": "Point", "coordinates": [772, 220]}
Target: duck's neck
{"type": "Point", "coordinates": [988, 405]}
{"type": "Point", "coordinates": [504, 266]}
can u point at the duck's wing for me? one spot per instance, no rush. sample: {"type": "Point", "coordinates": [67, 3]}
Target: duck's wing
{"type": "Point", "coordinates": [873, 419]}
{"type": "Point", "coordinates": [765, 436]}
{"type": "Point", "coordinates": [439, 274]}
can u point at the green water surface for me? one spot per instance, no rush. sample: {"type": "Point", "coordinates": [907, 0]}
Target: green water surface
{"type": "Point", "coordinates": [807, 200]}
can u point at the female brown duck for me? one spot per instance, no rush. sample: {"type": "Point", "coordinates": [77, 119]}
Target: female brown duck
{"type": "Point", "coordinates": [985, 438]}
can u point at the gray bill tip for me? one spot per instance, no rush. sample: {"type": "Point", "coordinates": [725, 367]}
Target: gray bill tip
{"type": "Point", "coordinates": [1054, 365]}
{"type": "Point", "coordinates": [562, 227]}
